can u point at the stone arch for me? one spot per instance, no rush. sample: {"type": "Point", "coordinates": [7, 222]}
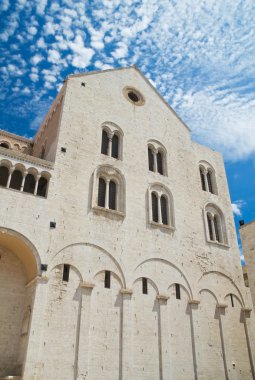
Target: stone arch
{"type": "Point", "coordinates": [170, 265]}
{"type": "Point", "coordinates": [24, 249]}
{"type": "Point", "coordinates": [80, 258]}
{"type": "Point", "coordinates": [215, 287]}
{"type": "Point", "coordinates": [116, 276]}
{"type": "Point", "coordinates": [20, 264]}
{"type": "Point", "coordinates": [212, 294]}
{"type": "Point", "coordinates": [5, 144]}
{"type": "Point", "coordinates": [152, 283]}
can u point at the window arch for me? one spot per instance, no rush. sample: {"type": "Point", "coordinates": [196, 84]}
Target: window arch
{"type": "Point", "coordinates": [42, 187]}
{"type": "Point", "coordinates": [157, 157]}
{"type": "Point", "coordinates": [108, 189]}
{"type": "Point", "coordinates": [5, 144]}
{"type": "Point", "coordinates": [207, 178]}
{"type": "Point", "coordinates": [215, 225]}
{"type": "Point", "coordinates": [16, 179]}
{"type": "Point", "coordinates": [4, 175]}
{"type": "Point", "coordinates": [111, 140]}
{"type": "Point", "coordinates": [161, 207]}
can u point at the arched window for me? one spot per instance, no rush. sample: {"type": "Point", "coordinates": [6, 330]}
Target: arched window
{"type": "Point", "coordinates": [4, 175]}
{"type": "Point", "coordinates": [154, 204]}
{"type": "Point", "coordinates": [115, 146]}
{"type": "Point", "coordinates": [161, 208]}
{"type": "Point", "coordinates": [150, 159]}
{"type": "Point", "coordinates": [5, 145]}
{"type": "Point", "coordinates": [16, 180]}
{"type": "Point", "coordinates": [29, 186]}
{"type": "Point", "coordinates": [108, 189]}
{"type": "Point", "coordinates": [160, 163]}
{"type": "Point", "coordinates": [209, 181]}
{"type": "Point", "coordinates": [101, 192]}
{"type": "Point", "coordinates": [112, 195]}
{"type": "Point", "coordinates": [216, 228]}
{"type": "Point", "coordinates": [42, 187]}
{"type": "Point", "coordinates": [202, 177]}
{"type": "Point", "coordinates": [164, 209]}
{"type": "Point", "coordinates": [105, 142]}
{"type": "Point", "coordinates": [207, 177]}
{"type": "Point", "coordinates": [112, 137]}
{"type": "Point", "coordinates": [157, 157]}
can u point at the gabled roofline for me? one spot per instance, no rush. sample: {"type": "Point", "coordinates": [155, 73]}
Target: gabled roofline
{"type": "Point", "coordinates": [142, 75]}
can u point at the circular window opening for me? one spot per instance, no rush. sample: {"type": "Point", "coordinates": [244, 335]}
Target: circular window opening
{"type": "Point", "coordinates": [133, 96]}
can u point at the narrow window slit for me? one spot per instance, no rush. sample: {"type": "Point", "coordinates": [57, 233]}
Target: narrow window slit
{"type": "Point", "coordinates": [145, 285]}
{"type": "Point", "coordinates": [177, 291]}
{"type": "Point", "coordinates": [66, 271]}
{"type": "Point", "coordinates": [232, 300]}
{"type": "Point", "coordinates": [107, 279]}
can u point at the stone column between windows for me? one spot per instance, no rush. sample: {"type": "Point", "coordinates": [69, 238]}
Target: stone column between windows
{"type": "Point", "coordinates": [127, 335]}
{"type": "Point", "coordinates": [109, 150]}
{"type": "Point", "coordinates": [212, 226]}
{"type": "Point", "coordinates": [206, 182]}
{"type": "Point", "coordinates": [82, 357]}
{"type": "Point", "coordinates": [33, 366]}
{"type": "Point", "coordinates": [36, 183]}
{"type": "Point", "coordinates": [23, 180]}
{"type": "Point", "coordinates": [9, 177]}
{"type": "Point", "coordinates": [155, 163]}
{"type": "Point", "coordinates": [107, 194]}
{"type": "Point", "coordinates": [163, 331]}
{"type": "Point", "coordinates": [193, 313]}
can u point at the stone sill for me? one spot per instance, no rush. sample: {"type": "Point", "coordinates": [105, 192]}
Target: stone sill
{"type": "Point", "coordinates": [218, 244]}
{"type": "Point", "coordinates": [108, 211]}
{"type": "Point", "coordinates": [161, 225]}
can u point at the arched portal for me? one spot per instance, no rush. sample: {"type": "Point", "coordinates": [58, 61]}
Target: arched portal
{"type": "Point", "coordinates": [19, 264]}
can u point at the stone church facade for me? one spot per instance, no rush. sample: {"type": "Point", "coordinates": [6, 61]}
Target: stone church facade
{"type": "Point", "coordinates": [118, 252]}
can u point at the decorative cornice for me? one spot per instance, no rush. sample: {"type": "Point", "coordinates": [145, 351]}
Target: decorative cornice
{"type": "Point", "coordinates": [22, 157]}
{"type": "Point", "coordinates": [15, 137]}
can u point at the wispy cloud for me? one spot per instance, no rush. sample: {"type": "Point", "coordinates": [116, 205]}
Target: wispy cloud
{"type": "Point", "coordinates": [237, 207]}
{"type": "Point", "coordinates": [198, 55]}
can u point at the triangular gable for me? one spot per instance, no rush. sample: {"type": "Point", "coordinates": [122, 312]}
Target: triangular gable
{"type": "Point", "coordinates": [143, 76]}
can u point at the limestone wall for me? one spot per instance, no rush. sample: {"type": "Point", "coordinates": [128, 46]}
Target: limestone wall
{"type": "Point", "coordinates": [80, 329]}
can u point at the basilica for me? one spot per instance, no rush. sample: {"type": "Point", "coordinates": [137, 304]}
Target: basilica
{"type": "Point", "coordinates": [118, 252]}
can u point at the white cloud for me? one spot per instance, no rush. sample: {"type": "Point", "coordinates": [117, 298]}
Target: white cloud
{"type": "Point", "coordinates": [237, 207]}
{"type": "Point", "coordinates": [4, 6]}
{"type": "Point", "coordinates": [50, 28]}
{"type": "Point", "coordinates": [82, 55]}
{"type": "Point", "coordinates": [40, 6]}
{"type": "Point", "coordinates": [53, 56]}
{"type": "Point", "coordinates": [34, 77]}
{"type": "Point", "coordinates": [36, 59]}
{"type": "Point", "coordinates": [41, 43]}
{"type": "Point", "coordinates": [121, 51]}
{"type": "Point", "coordinates": [32, 30]}
{"type": "Point", "coordinates": [26, 91]}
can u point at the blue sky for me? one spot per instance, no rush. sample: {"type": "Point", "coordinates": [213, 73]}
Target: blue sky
{"type": "Point", "coordinates": [199, 54]}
